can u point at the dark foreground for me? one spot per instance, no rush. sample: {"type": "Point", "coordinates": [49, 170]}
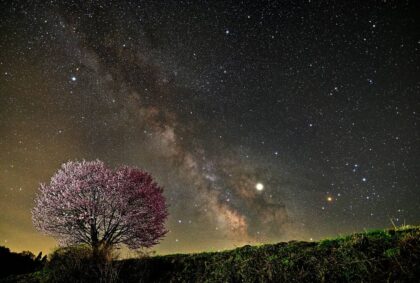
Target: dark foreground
{"type": "Point", "coordinates": [377, 256]}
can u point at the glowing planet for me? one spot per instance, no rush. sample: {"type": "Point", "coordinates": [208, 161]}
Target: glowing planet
{"type": "Point", "coordinates": [259, 187]}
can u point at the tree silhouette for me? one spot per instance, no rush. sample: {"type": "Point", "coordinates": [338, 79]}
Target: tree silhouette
{"type": "Point", "coordinates": [19, 263]}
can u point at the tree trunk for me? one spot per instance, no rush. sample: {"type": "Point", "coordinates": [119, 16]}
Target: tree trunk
{"type": "Point", "coordinates": [96, 245]}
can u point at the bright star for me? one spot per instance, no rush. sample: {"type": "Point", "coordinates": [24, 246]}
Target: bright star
{"type": "Point", "coordinates": [73, 78]}
{"type": "Point", "coordinates": [259, 187]}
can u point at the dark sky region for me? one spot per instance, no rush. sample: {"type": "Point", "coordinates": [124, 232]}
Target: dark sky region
{"type": "Point", "coordinates": [264, 120]}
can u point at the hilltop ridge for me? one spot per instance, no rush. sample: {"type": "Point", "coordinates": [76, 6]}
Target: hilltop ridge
{"type": "Point", "coordinates": [374, 256]}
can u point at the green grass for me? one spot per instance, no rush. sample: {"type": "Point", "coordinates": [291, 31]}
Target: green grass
{"type": "Point", "coordinates": [372, 256]}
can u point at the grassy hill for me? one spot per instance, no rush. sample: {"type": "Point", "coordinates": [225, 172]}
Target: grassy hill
{"type": "Point", "coordinates": [388, 256]}
{"type": "Point", "coordinates": [376, 256]}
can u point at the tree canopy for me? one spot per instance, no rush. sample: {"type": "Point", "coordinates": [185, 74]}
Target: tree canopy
{"type": "Point", "coordinates": [88, 202]}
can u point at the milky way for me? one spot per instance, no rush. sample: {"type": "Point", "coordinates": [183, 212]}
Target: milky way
{"type": "Point", "coordinates": [263, 122]}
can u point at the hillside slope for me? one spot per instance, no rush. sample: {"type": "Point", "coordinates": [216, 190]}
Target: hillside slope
{"type": "Point", "coordinates": [377, 256]}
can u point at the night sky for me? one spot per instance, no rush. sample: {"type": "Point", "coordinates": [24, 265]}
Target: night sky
{"type": "Point", "coordinates": [264, 122]}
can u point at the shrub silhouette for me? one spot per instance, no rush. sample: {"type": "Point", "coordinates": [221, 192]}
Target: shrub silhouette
{"type": "Point", "coordinates": [19, 263]}
{"type": "Point", "coordinates": [79, 264]}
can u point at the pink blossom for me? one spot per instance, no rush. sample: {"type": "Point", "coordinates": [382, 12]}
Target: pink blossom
{"type": "Point", "coordinates": [87, 202]}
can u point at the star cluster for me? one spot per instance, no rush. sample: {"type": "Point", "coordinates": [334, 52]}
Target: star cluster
{"type": "Point", "coordinates": [264, 122]}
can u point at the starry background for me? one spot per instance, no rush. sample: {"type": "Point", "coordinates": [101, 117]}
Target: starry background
{"type": "Point", "coordinates": [315, 103]}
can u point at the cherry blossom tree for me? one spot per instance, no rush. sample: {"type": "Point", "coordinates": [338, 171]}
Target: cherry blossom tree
{"type": "Point", "coordinates": [87, 202]}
